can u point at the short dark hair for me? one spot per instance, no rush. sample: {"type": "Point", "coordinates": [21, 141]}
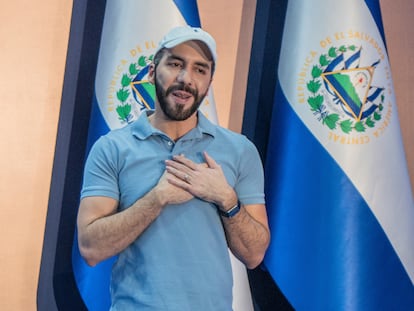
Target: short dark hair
{"type": "Point", "coordinates": [158, 56]}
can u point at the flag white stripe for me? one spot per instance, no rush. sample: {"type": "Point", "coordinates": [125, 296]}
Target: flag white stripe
{"type": "Point", "coordinates": [389, 194]}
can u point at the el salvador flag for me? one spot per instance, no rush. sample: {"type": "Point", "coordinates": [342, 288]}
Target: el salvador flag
{"type": "Point", "coordinates": [130, 35]}
{"type": "Point", "coordinates": [338, 194]}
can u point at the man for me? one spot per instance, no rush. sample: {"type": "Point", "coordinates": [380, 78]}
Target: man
{"type": "Point", "coordinates": [171, 191]}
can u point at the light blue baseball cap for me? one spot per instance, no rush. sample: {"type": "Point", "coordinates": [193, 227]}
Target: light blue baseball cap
{"type": "Point", "coordinates": [186, 33]}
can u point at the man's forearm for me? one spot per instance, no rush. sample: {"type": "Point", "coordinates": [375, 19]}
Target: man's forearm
{"type": "Point", "coordinates": [110, 234]}
{"type": "Point", "coordinates": [247, 238]}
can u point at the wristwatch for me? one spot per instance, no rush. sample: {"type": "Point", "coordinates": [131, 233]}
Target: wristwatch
{"type": "Point", "coordinates": [231, 212]}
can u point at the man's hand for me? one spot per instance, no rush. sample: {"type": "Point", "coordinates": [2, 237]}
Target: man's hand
{"type": "Point", "coordinates": [203, 180]}
{"type": "Point", "coordinates": [168, 193]}
{"type": "Point", "coordinates": [247, 233]}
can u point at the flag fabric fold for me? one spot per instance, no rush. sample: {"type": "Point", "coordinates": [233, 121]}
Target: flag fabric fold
{"type": "Point", "coordinates": [130, 35]}
{"type": "Point", "coordinates": [338, 193]}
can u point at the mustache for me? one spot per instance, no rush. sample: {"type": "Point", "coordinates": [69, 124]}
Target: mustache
{"type": "Point", "coordinates": [182, 87]}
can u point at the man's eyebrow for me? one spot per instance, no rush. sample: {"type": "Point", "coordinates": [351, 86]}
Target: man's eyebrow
{"type": "Point", "coordinates": [179, 58]}
{"type": "Point", "coordinates": [174, 57]}
{"type": "Point", "coordinates": [204, 65]}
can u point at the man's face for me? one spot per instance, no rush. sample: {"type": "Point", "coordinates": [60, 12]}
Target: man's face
{"type": "Point", "coordinates": [182, 79]}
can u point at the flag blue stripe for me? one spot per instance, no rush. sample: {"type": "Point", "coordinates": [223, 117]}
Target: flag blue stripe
{"type": "Point", "coordinates": [91, 282]}
{"type": "Point", "coordinates": [97, 124]}
{"type": "Point", "coordinates": [325, 253]}
{"type": "Point", "coordinates": [189, 10]}
{"type": "Point", "coordinates": [374, 7]}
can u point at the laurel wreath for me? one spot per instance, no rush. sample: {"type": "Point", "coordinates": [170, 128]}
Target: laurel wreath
{"type": "Point", "coordinates": [316, 101]}
{"type": "Point", "coordinates": [124, 108]}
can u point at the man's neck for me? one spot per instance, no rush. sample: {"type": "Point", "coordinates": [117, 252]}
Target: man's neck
{"type": "Point", "coordinates": [174, 129]}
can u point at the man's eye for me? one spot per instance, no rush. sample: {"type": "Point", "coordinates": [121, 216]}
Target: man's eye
{"type": "Point", "coordinates": [175, 64]}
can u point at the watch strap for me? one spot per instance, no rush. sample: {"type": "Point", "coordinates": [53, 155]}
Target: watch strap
{"type": "Point", "coordinates": [231, 212]}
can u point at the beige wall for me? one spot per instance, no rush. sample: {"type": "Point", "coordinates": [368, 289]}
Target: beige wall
{"type": "Point", "coordinates": [398, 17]}
{"type": "Point", "coordinates": [33, 42]}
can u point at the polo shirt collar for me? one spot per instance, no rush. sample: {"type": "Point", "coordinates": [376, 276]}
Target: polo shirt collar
{"type": "Point", "coordinates": [142, 128]}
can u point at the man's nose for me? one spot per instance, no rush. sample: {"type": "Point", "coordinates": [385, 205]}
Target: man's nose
{"type": "Point", "coordinates": [185, 76]}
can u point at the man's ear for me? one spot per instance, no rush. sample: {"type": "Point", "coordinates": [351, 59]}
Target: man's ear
{"type": "Point", "coordinates": [151, 73]}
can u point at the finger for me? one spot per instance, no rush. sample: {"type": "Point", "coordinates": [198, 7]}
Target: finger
{"type": "Point", "coordinates": [187, 179]}
{"type": "Point", "coordinates": [176, 165]}
{"type": "Point", "coordinates": [185, 161]}
{"type": "Point", "coordinates": [209, 160]}
{"type": "Point", "coordinates": [178, 182]}
{"type": "Point", "coordinates": [183, 175]}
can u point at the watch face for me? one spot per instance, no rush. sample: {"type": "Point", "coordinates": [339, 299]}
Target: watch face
{"type": "Point", "coordinates": [231, 212]}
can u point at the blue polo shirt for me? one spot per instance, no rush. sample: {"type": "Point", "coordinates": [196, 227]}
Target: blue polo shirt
{"type": "Point", "coordinates": [180, 262]}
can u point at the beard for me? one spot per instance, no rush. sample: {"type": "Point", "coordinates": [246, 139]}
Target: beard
{"type": "Point", "coordinates": [177, 112]}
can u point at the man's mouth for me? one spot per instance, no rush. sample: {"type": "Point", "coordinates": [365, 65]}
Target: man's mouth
{"type": "Point", "coordinates": [182, 94]}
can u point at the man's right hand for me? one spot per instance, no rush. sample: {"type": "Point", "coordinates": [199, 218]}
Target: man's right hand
{"type": "Point", "coordinates": [168, 193]}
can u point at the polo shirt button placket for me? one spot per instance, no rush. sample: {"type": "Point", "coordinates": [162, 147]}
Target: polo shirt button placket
{"type": "Point", "coordinates": [170, 145]}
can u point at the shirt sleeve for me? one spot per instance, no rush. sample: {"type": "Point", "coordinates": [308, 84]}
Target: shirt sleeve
{"type": "Point", "coordinates": [250, 184]}
{"type": "Point", "coordinates": [100, 173]}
